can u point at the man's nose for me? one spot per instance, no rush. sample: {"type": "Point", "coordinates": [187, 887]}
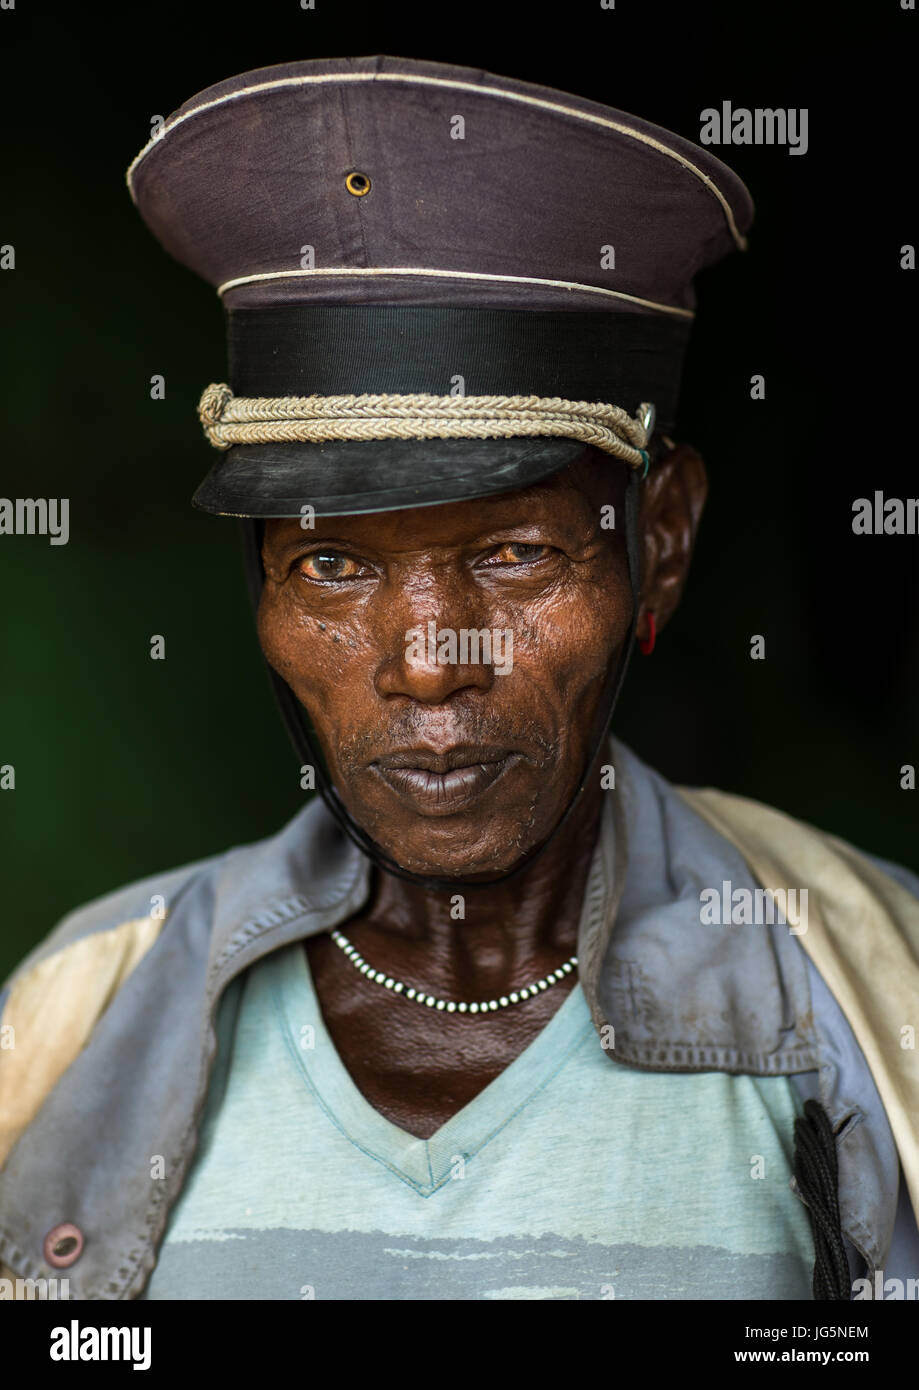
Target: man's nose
{"type": "Point", "coordinates": [435, 648]}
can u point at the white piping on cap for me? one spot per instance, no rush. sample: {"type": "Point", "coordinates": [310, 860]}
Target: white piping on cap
{"type": "Point", "coordinates": [451, 274]}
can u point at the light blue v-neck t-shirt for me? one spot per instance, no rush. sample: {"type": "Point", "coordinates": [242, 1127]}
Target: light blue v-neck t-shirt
{"type": "Point", "coordinates": [570, 1176]}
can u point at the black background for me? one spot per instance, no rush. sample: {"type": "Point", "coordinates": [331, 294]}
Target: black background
{"type": "Point", "coordinates": [125, 766]}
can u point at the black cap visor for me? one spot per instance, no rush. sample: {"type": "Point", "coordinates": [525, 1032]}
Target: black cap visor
{"type": "Point", "coordinates": [346, 477]}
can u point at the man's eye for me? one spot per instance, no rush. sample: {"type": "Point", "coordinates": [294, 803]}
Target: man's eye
{"type": "Point", "coordinates": [517, 553]}
{"type": "Point", "coordinates": [328, 564]}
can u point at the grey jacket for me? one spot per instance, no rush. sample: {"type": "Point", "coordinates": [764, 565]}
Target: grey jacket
{"type": "Point", "coordinates": [680, 997]}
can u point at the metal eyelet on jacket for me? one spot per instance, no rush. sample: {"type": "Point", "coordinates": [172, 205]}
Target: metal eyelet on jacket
{"type": "Point", "coordinates": [63, 1245]}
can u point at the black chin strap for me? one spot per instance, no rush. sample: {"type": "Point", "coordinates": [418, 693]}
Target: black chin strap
{"type": "Point", "coordinates": [306, 745]}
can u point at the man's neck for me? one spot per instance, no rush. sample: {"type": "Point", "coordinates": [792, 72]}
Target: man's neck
{"type": "Point", "coordinates": [532, 917]}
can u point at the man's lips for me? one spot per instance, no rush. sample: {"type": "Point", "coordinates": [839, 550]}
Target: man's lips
{"type": "Point", "coordinates": [441, 783]}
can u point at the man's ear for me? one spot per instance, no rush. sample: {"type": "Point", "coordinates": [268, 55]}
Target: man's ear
{"type": "Point", "coordinates": [673, 495]}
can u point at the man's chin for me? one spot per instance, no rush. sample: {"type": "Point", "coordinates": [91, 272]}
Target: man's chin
{"type": "Point", "coordinates": [465, 827]}
{"type": "Point", "coordinates": [458, 869]}
{"type": "Point", "coordinates": [461, 846]}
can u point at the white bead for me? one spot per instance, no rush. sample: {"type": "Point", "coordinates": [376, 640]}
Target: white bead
{"type": "Point", "coordinates": [542, 984]}
{"type": "Point", "coordinates": [398, 987]}
{"type": "Point", "coordinates": [462, 1008]}
{"type": "Point", "coordinates": [503, 1001]}
{"type": "Point", "coordinates": [389, 982]}
{"type": "Point", "coordinates": [441, 1003]}
{"type": "Point", "coordinates": [493, 1003]}
{"type": "Point", "coordinates": [451, 1007]}
{"type": "Point", "coordinates": [365, 968]}
{"type": "Point", "coordinates": [430, 1000]}
{"type": "Point", "coordinates": [410, 994]}
{"type": "Point", "coordinates": [524, 994]}
{"type": "Point", "coordinates": [473, 1008]}
{"type": "Point", "coordinates": [514, 998]}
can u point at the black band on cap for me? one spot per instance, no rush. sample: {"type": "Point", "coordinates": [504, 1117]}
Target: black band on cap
{"type": "Point", "coordinates": [332, 350]}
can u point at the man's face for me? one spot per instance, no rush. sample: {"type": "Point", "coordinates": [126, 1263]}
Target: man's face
{"type": "Point", "coordinates": [457, 760]}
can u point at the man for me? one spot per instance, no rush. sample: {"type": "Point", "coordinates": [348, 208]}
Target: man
{"type": "Point", "coordinates": [503, 1014]}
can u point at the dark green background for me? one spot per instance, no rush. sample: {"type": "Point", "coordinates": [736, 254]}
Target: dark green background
{"type": "Point", "coordinates": [125, 766]}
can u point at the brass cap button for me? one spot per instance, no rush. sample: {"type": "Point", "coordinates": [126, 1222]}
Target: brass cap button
{"type": "Point", "coordinates": [358, 184]}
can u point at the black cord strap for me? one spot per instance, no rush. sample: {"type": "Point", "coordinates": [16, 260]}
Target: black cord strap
{"type": "Point", "coordinates": [817, 1176]}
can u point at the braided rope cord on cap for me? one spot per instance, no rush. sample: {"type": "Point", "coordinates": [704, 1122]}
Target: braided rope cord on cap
{"type": "Point", "coordinates": [229, 419]}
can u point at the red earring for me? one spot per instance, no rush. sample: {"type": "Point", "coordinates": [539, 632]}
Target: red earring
{"type": "Point", "coordinates": [646, 644]}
